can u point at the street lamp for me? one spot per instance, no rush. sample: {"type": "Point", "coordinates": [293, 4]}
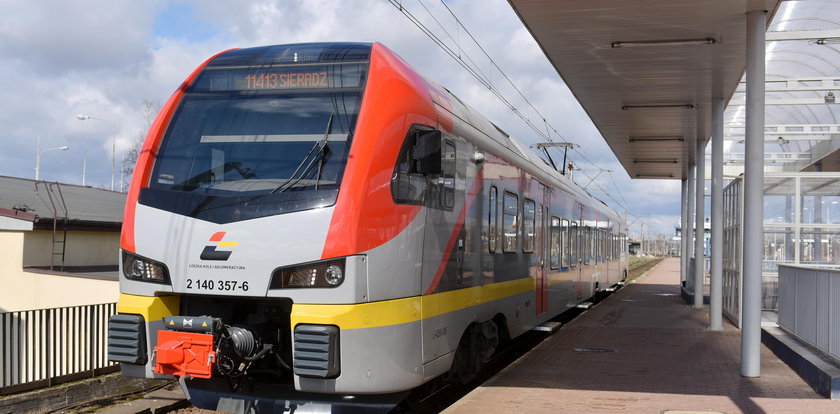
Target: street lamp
{"type": "Point", "coordinates": [38, 156]}
{"type": "Point", "coordinates": [82, 117]}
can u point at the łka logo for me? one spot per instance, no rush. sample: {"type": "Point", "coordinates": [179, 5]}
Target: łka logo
{"type": "Point", "coordinates": [212, 252]}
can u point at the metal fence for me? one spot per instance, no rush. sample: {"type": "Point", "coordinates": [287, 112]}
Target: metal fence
{"type": "Point", "coordinates": [43, 347]}
{"type": "Point", "coordinates": [801, 224]}
{"type": "Point", "coordinates": [809, 302]}
{"type": "Point", "coordinates": [733, 202]}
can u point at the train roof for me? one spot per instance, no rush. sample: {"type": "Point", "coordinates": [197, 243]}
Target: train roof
{"type": "Point", "coordinates": [516, 152]}
{"type": "Point", "coordinates": [294, 53]}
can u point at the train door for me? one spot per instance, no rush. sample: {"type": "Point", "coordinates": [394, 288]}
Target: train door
{"type": "Point", "coordinates": [444, 241]}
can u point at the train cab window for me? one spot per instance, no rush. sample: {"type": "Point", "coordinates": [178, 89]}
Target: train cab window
{"type": "Point", "coordinates": [564, 243]}
{"type": "Point", "coordinates": [419, 157]}
{"type": "Point", "coordinates": [510, 224]}
{"type": "Point", "coordinates": [528, 225]}
{"type": "Point", "coordinates": [447, 193]}
{"type": "Point", "coordinates": [554, 247]}
{"type": "Point", "coordinates": [573, 244]}
{"type": "Point", "coordinates": [492, 218]}
{"type": "Point", "coordinates": [587, 245]}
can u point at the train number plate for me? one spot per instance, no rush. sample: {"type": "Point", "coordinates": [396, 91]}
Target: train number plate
{"type": "Point", "coordinates": [217, 285]}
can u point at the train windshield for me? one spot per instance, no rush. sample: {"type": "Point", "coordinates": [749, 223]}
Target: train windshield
{"type": "Point", "coordinates": [229, 145]}
{"type": "Point", "coordinates": [256, 141]}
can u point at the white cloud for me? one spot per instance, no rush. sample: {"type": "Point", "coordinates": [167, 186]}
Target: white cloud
{"type": "Point", "coordinates": [105, 57]}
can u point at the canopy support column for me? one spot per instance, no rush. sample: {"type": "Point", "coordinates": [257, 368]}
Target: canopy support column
{"type": "Point", "coordinates": [753, 195]}
{"type": "Point", "coordinates": [716, 283]}
{"type": "Point", "coordinates": [689, 226]}
{"type": "Point", "coordinates": [684, 232]}
{"type": "Point", "coordinates": [700, 214]}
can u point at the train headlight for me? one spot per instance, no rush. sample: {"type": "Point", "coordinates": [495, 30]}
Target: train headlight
{"type": "Point", "coordinates": [329, 273]}
{"type": "Point", "coordinates": [146, 270]}
{"type": "Point", "coordinates": [334, 275]}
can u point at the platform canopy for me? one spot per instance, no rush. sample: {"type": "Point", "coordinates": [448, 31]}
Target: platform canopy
{"type": "Point", "coordinates": [646, 70]}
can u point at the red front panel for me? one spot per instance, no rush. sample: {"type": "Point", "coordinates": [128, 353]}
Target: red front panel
{"type": "Point", "coordinates": [184, 353]}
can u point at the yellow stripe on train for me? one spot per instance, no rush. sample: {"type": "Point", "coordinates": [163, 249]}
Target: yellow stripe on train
{"type": "Point", "coordinates": [153, 308]}
{"type": "Point", "coordinates": [406, 310]}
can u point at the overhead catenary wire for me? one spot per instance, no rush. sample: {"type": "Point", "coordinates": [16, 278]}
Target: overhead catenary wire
{"type": "Point", "coordinates": [468, 63]}
{"type": "Point", "coordinates": [474, 71]}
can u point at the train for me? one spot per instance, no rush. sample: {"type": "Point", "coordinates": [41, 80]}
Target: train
{"type": "Point", "coordinates": [319, 224]}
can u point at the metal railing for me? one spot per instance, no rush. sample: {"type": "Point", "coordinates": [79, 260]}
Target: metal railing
{"type": "Point", "coordinates": [43, 347]}
{"type": "Point", "coordinates": [809, 302]}
{"type": "Point", "coordinates": [733, 250]}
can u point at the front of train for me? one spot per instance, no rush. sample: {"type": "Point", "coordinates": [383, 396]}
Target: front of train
{"type": "Point", "coordinates": [258, 202]}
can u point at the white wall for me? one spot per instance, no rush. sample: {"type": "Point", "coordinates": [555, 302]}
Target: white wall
{"type": "Point", "coordinates": [83, 248]}
{"type": "Point", "coordinates": [24, 290]}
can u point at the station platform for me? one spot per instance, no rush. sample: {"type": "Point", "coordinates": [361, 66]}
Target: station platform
{"type": "Point", "coordinates": [643, 350]}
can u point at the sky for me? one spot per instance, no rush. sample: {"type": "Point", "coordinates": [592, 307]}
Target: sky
{"type": "Point", "coordinates": [105, 58]}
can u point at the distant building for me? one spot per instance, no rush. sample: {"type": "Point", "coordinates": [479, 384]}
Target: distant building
{"type": "Point", "coordinates": [59, 244]}
{"type": "Point", "coordinates": [707, 235]}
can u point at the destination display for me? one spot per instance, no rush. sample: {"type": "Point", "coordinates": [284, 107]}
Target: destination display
{"type": "Point", "coordinates": [280, 78]}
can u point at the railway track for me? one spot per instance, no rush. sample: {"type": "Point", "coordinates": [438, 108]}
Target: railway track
{"type": "Point", "coordinates": [640, 268]}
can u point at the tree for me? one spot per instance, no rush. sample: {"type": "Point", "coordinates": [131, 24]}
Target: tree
{"type": "Point", "coordinates": [149, 110]}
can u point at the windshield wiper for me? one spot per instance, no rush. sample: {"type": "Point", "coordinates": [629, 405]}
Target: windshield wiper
{"type": "Point", "coordinates": [319, 149]}
{"type": "Point", "coordinates": [209, 176]}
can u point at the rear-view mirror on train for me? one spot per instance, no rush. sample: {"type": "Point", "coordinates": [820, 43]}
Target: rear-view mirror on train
{"type": "Point", "coordinates": [427, 152]}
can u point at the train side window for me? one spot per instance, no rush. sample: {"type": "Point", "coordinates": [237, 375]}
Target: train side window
{"type": "Point", "coordinates": [419, 157]}
{"type": "Point", "coordinates": [554, 250]}
{"type": "Point", "coordinates": [602, 247]}
{"type": "Point", "coordinates": [623, 246]}
{"type": "Point", "coordinates": [615, 246]}
{"type": "Point", "coordinates": [564, 243]}
{"type": "Point", "coordinates": [587, 245]}
{"type": "Point", "coordinates": [618, 246]}
{"type": "Point", "coordinates": [510, 224]}
{"type": "Point", "coordinates": [573, 244]}
{"type": "Point", "coordinates": [601, 251]}
{"type": "Point", "coordinates": [447, 193]}
{"type": "Point", "coordinates": [607, 245]}
{"type": "Point", "coordinates": [528, 225]}
{"type": "Point", "coordinates": [492, 219]}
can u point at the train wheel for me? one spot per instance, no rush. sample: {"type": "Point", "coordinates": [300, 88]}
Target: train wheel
{"type": "Point", "coordinates": [475, 348]}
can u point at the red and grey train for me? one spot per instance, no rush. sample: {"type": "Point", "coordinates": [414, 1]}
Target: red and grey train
{"type": "Point", "coordinates": [319, 222]}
